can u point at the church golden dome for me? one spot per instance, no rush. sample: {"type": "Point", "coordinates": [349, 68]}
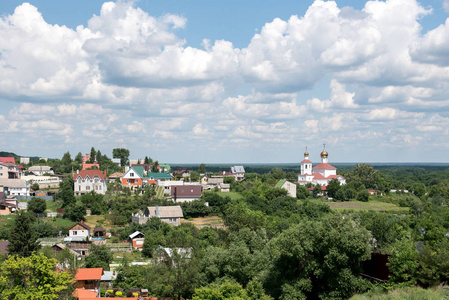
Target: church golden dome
{"type": "Point", "coordinates": [324, 153]}
{"type": "Point", "coordinates": [306, 153]}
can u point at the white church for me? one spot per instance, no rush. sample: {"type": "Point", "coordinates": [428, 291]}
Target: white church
{"type": "Point", "coordinates": [320, 174]}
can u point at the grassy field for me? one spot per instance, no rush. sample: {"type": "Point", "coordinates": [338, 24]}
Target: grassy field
{"type": "Point", "coordinates": [213, 221]}
{"type": "Point", "coordinates": [94, 221]}
{"type": "Point", "coordinates": [371, 205]}
{"type": "Point", "coordinates": [232, 195]}
{"type": "Point", "coordinates": [160, 192]}
{"type": "Point", "coordinates": [411, 293]}
{"type": "Point", "coordinates": [52, 206]}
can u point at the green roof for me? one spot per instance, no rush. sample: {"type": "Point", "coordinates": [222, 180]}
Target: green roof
{"type": "Point", "coordinates": [138, 170]}
{"type": "Point", "coordinates": [159, 175]}
{"type": "Point", "coordinates": [166, 166]}
{"type": "Point", "coordinates": [280, 183]}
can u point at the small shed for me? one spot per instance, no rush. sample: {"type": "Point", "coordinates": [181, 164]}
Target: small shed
{"type": "Point", "coordinates": [137, 239]}
{"type": "Point", "coordinates": [99, 232]}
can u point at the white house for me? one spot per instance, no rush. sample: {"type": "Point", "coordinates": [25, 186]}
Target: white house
{"type": "Point", "coordinates": [87, 181]}
{"type": "Point", "coordinates": [15, 187]}
{"type": "Point", "coordinates": [80, 229]}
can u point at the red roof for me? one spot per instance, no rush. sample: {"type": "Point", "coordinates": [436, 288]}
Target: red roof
{"type": "Point", "coordinates": [90, 173]}
{"type": "Point", "coordinates": [306, 161]}
{"type": "Point", "coordinates": [7, 160]}
{"type": "Point", "coordinates": [325, 167]}
{"type": "Point", "coordinates": [84, 294]}
{"type": "Point", "coordinates": [89, 274]}
{"type": "Point", "coordinates": [323, 188]}
{"type": "Point", "coordinates": [318, 176]}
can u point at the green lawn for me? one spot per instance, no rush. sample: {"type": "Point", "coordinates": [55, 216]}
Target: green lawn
{"type": "Point", "coordinates": [371, 205]}
{"type": "Point", "coordinates": [52, 206]}
{"type": "Point", "coordinates": [232, 195]}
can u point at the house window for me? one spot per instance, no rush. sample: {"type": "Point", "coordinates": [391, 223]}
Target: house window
{"type": "Point", "coordinates": [88, 187]}
{"type": "Point", "coordinates": [96, 187]}
{"type": "Point", "coordinates": [74, 232]}
{"type": "Point", "coordinates": [131, 174]}
{"type": "Point", "coordinates": [127, 180]}
{"type": "Point", "coordinates": [100, 187]}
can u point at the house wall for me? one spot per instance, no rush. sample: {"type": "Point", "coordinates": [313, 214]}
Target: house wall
{"type": "Point", "coordinates": [4, 210]}
{"type": "Point", "coordinates": [291, 188]}
{"type": "Point", "coordinates": [185, 199]}
{"type": "Point", "coordinates": [87, 185]}
{"type": "Point", "coordinates": [78, 231]}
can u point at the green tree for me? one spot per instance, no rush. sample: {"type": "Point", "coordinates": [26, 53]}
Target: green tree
{"type": "Point", "coordinates": [202, 169]}
{"type": "Point", "coordinates": [32, 277]}
{"type": "Point", "coordinates": [403, 262]}
{"type": "Point", "coordinates": [363, 196]}
{"type": "Point", "coordinates": [75, 212]}
{"type": "Point", "coordinates": [231, 290]}
{"type": "Point", "coordinates": [93, 154]}
{"type": "Point", "coordinates": [333, 187]}
{"type": "Point", "coordinates": [35, 186]}
{"type": "Point", "coordinates": [317, 259]}
{"type": "Point", "coordinates": [66, 192]}
{"type": "Point", "coordinates": [121, 153]}
{"type": "Point", "coordinates": [95, 202]}
{"type": "Point", "coordinates": [79, 158]}
{"type": "Point", "coordinates": [99, 257]}
{"type": "Point", "coordinates": [66, 162]}
{"type": "Point", "coordinates": [194, 176]}
{"type": "Point", "coordinates": [37, 205]}
{"type": "Point", "coordinates": [23, 238]}
{"type": "Point", "coordinates": [154, 167]}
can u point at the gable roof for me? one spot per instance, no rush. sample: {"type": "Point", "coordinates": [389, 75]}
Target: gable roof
{"type": "Point", "coordinates": [136, 233]}
{"type": "Point", "coordinates": [40, 168]}
{"type": "Point", "coordinates": [99, 229]}
{"type": "Point", "coordinates": [7, 160]}
{"type": "Point", "coordinates": [90, 173]}
{"type": "Point", "coordinates": [280, 183]}
{"type": "Point", "coordinates": [138, 170]}
{"type": "Point", "coordinates": [237, 169]}
{"type": "Point", "coordinates": [82, 224]}
{"type": "Point", "coordinates": [89, 274]}
{"type": "Point", "coordinates": [165, 211]}
{"type": "Point", "coordinates": [324, 167]}
{"type": "Point", "coordinates": [306, 161]}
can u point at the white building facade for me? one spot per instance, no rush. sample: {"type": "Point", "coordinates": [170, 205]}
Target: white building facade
{"type": "Point", "coordinates": [320, 174]}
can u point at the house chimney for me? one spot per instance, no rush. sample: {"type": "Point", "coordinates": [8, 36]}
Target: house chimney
{"type": "Point", "coordinates": [157, 211]}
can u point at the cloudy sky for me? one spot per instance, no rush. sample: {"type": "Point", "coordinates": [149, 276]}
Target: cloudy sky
{"type": "Point", "coordinates": [220, 81]}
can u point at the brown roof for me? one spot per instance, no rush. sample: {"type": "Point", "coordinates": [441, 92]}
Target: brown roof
{"type": "Point", "coordinates": [186, 191]}
{"type": "Point", "coordinates": [89, 274]}
{"type": "Point", "coordinates": [99, 228]}
{"type": "Point", "coordinates": [90, 174]}
{"type": "Point", "coordinates": [82, 224]}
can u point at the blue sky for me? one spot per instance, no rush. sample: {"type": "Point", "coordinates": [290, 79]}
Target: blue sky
{"type": "Point", "coordinates": [226, 81]}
